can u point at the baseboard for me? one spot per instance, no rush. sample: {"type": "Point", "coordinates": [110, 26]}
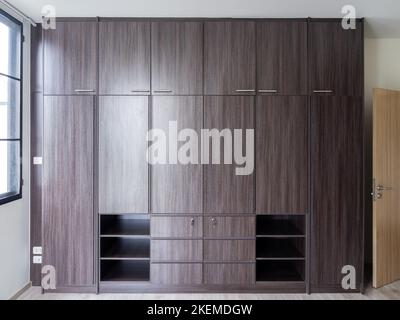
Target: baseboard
{"type": "Point", "coordinates": [20, 292]}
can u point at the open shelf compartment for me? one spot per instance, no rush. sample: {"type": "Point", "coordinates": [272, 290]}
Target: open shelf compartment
{"type": "Point", "coordinates": [281, 225]}
{"type": "Point", "coordinates": [125, 270]}
{"type": "Point", "coordinates": [125, 225]}
{"type": "Point", "coordinates": [280, 248]}
{"type": "Point", "coordinates": [280, 271]}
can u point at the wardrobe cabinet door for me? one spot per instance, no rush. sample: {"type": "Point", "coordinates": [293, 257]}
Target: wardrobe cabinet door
{"type": "Point", "coordinates": [282, 57]}
{"type": "Point", "coordinates": [282, 155]}
{"type": "Point", "coordinates": [229, 250]}
{"type": "Point", "coordinates": [176, 250]}
{"type": "Point", "coordinates": [124, 57]}
{"type": "Point", "coordinates": [177, 274]}
{"type": "Point", "coordinates": [336, 59]}
{"type": "Point", "coordinates": [224, 190]}
{"type": "Point", "coordinates": [70, 59]}
{"type": "Point", "coordinates": [337, 192]}
{"type": "Point", "coordinates": [68, 217]}
{"type": "Point", "coordinates": [177, 58]}
{"type": "Point", "coordinates": [229, 227]}
{"type": "Point", "coordinates": [230, 57]}
{"type": "Point", "coordinates": [123, 168]}
{"type": "Point", "coordinates": [177, 188]}
{"type": "Point", "coordinates": [177, 227]}
{"type": "Point", "coordinates": [229, 274]}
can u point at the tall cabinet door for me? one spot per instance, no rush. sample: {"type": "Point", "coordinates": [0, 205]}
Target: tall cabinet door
{"type": "Point", "coordinates": [177, 188]}
{"type": "Point", "coordinates": [225, 190]}
{"type": "Point", "coordinates": [229, 57]}
{"type": "Point", "coordinates": [68, 217]}
{"type": "Point", "coordinates": [177, 58]}
{"type": "Point", "coordinates": [337, 179]}
{"type": "Point", "coordinates": [282, 155]}
{"type": "Point", "coordinates": [123, 168]}
{"type": "Point", "coordinates": [70, 56]}
{"type": "Point", "coordinates": [336, 59]}
{"type": "Point", "coordinates": [282, 57]}
{"type": "Point", "coordinates": [124, 57]}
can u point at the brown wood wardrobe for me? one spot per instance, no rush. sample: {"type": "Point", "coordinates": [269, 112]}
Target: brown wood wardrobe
{"type": "Point", "coordinates": [110, 222]}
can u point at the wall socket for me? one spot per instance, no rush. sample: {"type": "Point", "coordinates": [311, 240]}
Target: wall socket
{"type": "Point", "coordinates": [37, 250]}
{"type": "Point", "coordinates": [37, 259]}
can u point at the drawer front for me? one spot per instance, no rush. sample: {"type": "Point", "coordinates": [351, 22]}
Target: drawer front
{"type": "Point", "coordinates": [229, 274]}
{"type": "Point", "coordinates": [229, 250]}
{"type": "Point", "coordinates": [229, 227]}
{"type": "Point", "coordinates": [177, 250]}
{"type": "Point", "coordinates": [176, 227]}
{"type": "Point", "coordinates": [177, 274]}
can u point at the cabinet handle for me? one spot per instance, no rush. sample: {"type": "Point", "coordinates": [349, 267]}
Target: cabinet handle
{"type": "Point", "coordinates": [162, 91]}
{"type": "Point", "coordinates": [245, 90]}
{"type": "Point", "coordinates": [84, 90]}
{"type": "Point", "coordinates": [140, 91]}
{"type": "Point", "coordinates": [214, 222]}
{"type": "Point", "coordinates": [268, 91]}
{"type": "Point", "coordinates": [192, 221]}
{"type": "Point", "coordinates": [323, 91]}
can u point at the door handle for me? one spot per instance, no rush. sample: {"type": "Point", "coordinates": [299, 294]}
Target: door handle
{"type": "Point", "coordinates": [162, 91]}
{"type": "Point", "coordinates": [84, 90]}
{"type": "Point", "coordinates": [245, 90]}
{"type": "Point", "coordinates": [268, 91]}
{"type": "Point", "coordinates": [140, 91]}
{"type": "Point", "coordinates": [382, 188]}
{"type": "Point", "coordinates": [323, 91]}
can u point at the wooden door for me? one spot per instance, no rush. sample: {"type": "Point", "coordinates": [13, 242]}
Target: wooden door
{"type": "Point", "coordinates": [224, 190]}
{"type": "Point", "coordinates": [282, 57]}
{"type": "Point", "coordinates": [386, 160]}
{"type": "Point", "coordinates": [123, 168]}
{"type": "Point", "coordinates": [68, 217]}
{"type": "Point", "coordinates": [177, 58]}
{"type": "Point", "coordinates": [70, 59]}
{"type": "Point", "coordinates": [335, 59]}
{"type": "Point", "coordinates": [124, 57]}
{"type": "Point", "coordinates": [229, 57]}
{"type": "Point", "coordinates": [337, 190]}
{"type": "Point", "coordinates": [282, 155]}
{"type": "Point", "coordinates": [177, 188]}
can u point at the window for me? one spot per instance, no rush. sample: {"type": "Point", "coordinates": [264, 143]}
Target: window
{"type": "Point", "coordinates": [10, 108]}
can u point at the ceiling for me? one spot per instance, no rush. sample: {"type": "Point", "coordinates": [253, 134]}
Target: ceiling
{"type": "Point", "coordinates": [382, 16]}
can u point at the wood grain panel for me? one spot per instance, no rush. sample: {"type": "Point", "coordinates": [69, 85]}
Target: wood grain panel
{"type": "Point", "coordinates": [177, 274]}
{"type": "Point", "coordinates": [337, 193]}
{"type": "Point", "coordinates": [229, 227]}
{"type": "Point", "coordinates": [229, 274]}
{"type": "Point", "coordinates": [282, 155]}
{"type": "Point", "coordinates": [123, 169]}
{"type": "Point", "coordinates": [229, 57]}
{"type": "Point", "coordinates": [336, 58]}
{"type": "Point", "coordinates": [124, 57]}
{"type": "Point", "coordinates": [177, 57]}
{"type": "Point", "coordinates": [176, 250]}
{"type": "Point", "coordinates": [68, 217]}
{"type": "Point", "coordinates": [386, 217]}
{"type": "Point", "coordinates": [177, 227]}
{"type": "Point", "coordinates": [224, 191]}
{"type": "Point", "coordinates": [70, 58]}
{"type": "Point", "coordinates": [229, 250]}
{"type": "Point", "coordinates": [282, 56]}
{"type": "Point", "coordinates": [177, 188]}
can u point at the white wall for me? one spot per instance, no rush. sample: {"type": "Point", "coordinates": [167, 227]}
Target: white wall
{"type": "Point", "coordinates": [14, 216]}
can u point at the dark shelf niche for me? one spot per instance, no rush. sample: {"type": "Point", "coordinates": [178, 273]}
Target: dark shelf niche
{"type": "Point", "coordinates": [280, 248]}
{"type": "Point", "coordinates": [125, 248]}
{"type": "Point", "coordinates": [125, 270]}
{"type": "Point", "coordinates": [280, 271]}
{"type": "Point", "coordinates": [125, 225]}
{"type": "Point", "coordinates": [281, 225]}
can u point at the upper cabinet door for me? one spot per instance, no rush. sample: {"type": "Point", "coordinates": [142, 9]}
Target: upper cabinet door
{"type": "Point", "coordinates": [336, 59]}
{"type": "Point", "coordinates": [282, 57]}
{"type": "Point", "coordinates": [230, 57]}
{"type": "Point", "coordinates": [123, 169]}
{"type": "Point", "coordinates": [124, 57]}
{"type": "Point", "coordinates": [70, 59]}
{"type": "Point", "coordinates": [177, 58]}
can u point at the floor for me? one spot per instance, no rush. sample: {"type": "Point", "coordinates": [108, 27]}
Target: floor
{"type": "Point", "coordinates": [391, 292]}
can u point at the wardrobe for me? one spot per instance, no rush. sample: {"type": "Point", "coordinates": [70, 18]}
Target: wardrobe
{"type": "Point", "coordinates": [108, 221]}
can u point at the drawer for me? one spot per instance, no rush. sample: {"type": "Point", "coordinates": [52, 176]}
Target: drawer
{"type": "Point", "coordinates": [176, 250]}
{"type": "Point", "coordinates": [177, 274]}
{"type": "Point", "coordinates": [229, 227]}
{"type": "Point", "coordinates": [177, 227]}
{"type": "Point", "coordinates": [229, 274]}
{"type": "Point", "coordinates": [229, 250]}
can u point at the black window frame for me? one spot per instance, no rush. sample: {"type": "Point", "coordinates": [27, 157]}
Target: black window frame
{"type": "Point", "coordinates": [12, 196]}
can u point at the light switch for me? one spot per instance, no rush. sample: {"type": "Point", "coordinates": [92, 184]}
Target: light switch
{"type": "Point", "coordinates": [37, 161]}
{"type": "Point", "coordinates": [37, 250]}
{"type": "Point", "coordinates": [37, 259]}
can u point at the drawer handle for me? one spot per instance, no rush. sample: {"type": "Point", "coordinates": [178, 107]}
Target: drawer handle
{"type": "Point", "coordinates": [323, 91]}
{"type": "Point", "coordinates": [84, 90]}
{"type": "Point", "coordinates": [140, 91]}
{"type": "Point", "coordinates": [245, 90]}
{"type": "Point", "coordinates": [192, 221]}
{"type": "Point", "coordinates": [214, 222]}
{"type": "Point", "coordinates": [268, 91]}
{"type": "Point", "coordinates": [162, 91]}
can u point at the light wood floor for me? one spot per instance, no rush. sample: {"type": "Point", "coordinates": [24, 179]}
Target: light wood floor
{"type": "Point", "coordinates": [389, 292]}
